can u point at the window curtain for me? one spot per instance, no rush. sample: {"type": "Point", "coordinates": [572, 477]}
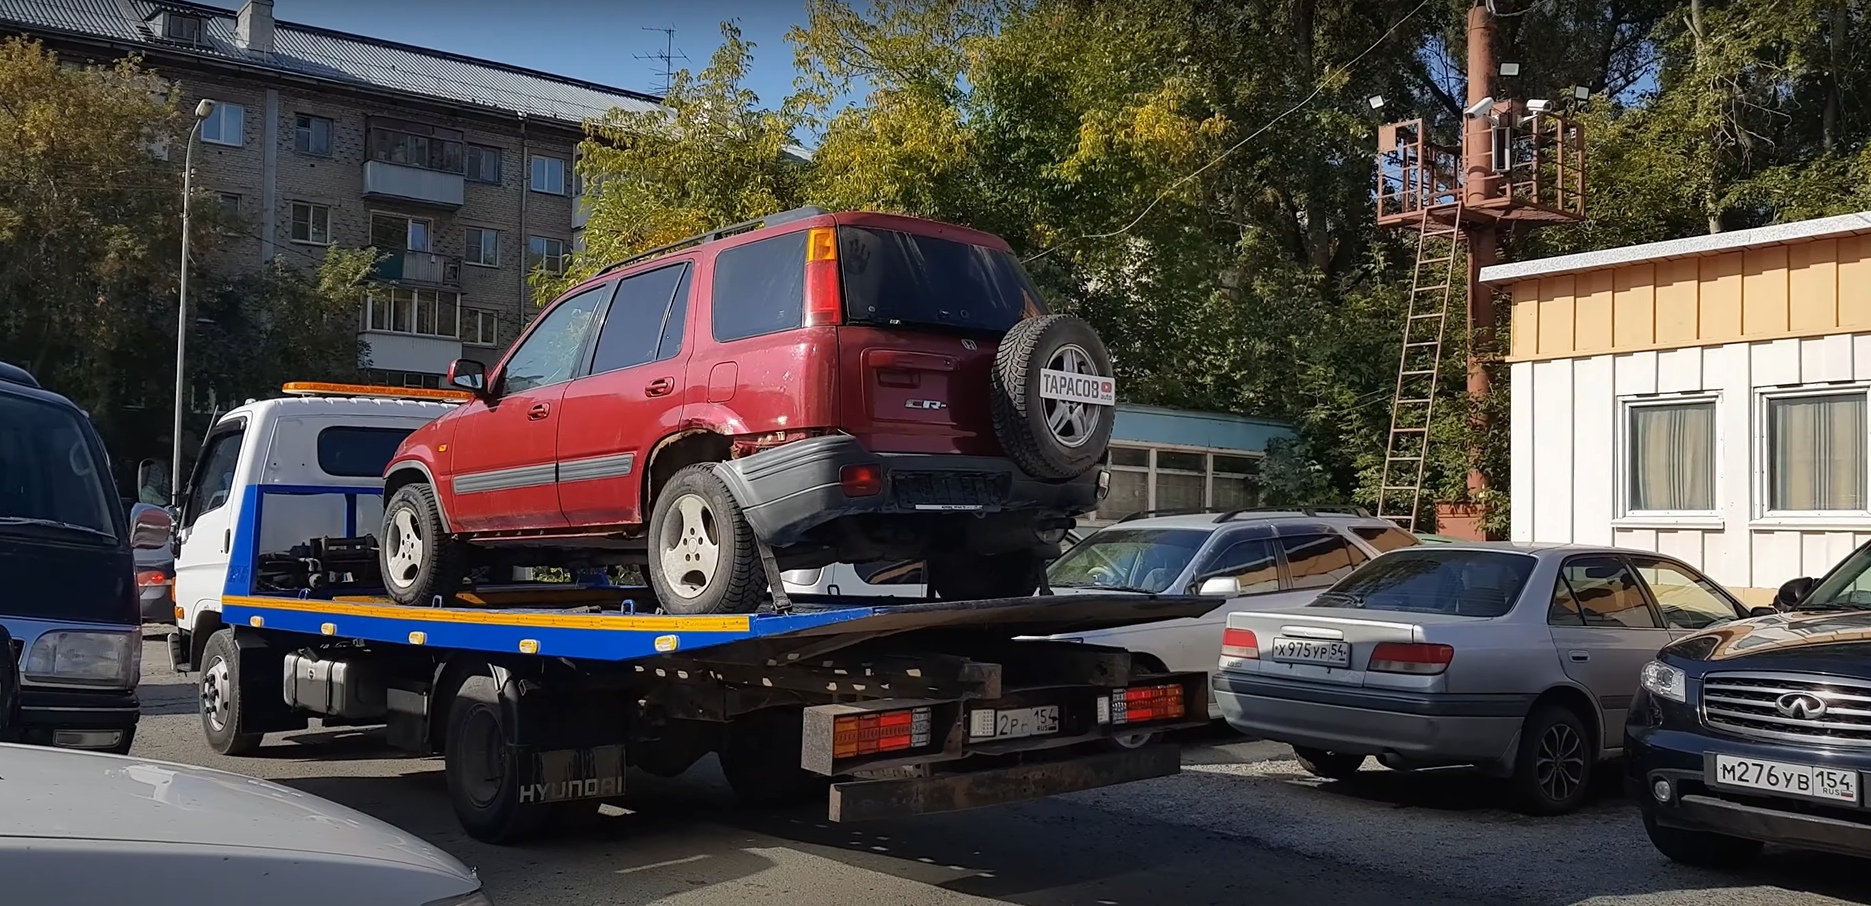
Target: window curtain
{"type": "Point", "coordinates": [1673, 457]}
{"type": "Point", "coordinates": [1817, 453]}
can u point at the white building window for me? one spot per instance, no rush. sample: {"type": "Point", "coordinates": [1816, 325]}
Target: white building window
{"type": "Point", "coordinates": [226, 125]}
{"type": "Point", "coordinates": [483, 247]}
{"type": "Point", "coordinates": [311, 223]}
{"type": "Point", "coordinates": [1671, 465]}
{"type": "Point", "coordinates": [1163, 478]}
{"type": "Point", "coordinates": [423, 313]}
{"type": "Point", "coordinates": [1816, 453]}
{"type": "Point", "coordinates": [312, 135]}
{"type": "Point", "coordinates": [548, 254]}
{"type": "Point", "coordinates": [480, 327]}
{"type": "Point", "coordinates": [548, 175]}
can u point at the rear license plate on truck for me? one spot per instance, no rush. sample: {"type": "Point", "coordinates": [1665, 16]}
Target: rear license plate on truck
{"type": "Point", "coordinates": [1012, 723]}
{"type": "Point", "coordinates": [1804, 780]}
{"type": "Point", "coordinates": [1311, 651]}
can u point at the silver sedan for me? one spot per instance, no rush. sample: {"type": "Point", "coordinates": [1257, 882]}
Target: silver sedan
{"type": "Point", "coordinates": [1519, 659]}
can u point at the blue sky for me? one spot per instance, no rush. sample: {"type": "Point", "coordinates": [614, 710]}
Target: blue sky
{"type": "Point", "coordinates": [593, 40]}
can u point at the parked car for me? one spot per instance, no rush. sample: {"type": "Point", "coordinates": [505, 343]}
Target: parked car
{"type": "Point", "coordinates": [67, 567]}
{"type": "Point", "coordinates": [1255, 559]}
{"type": "Point", "coordinates": [155, 575]}
{"type": "Point", "coordinates": [879, 578]}
{"type": "Point", "coordinates": [836, 387]}
{"type": "Point", "coordinates": [1520, 659]}
{"type": "Point", "coordinates": [1760, 731]}
{"type": "Point", "coordinates": [83, 827]}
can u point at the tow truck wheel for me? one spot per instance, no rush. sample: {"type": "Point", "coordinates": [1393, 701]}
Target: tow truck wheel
{"type": "Point", "coordinates": [483, 780]}
{"type": "Point", "coordinates": [702, 554]}
{"type": "Point", "coordinates": [419, 559]}
{"type": "Point", "coordinates": [760, 757]}
{"type": "Point", "coordinates": [220, 697]}
{"type": "Point", "coordinates": [975, 577]}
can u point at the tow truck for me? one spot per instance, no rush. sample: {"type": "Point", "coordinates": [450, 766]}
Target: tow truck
{"type": "Point", "coordinates": [538, 695]}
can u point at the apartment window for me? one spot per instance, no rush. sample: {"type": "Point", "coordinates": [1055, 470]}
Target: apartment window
{"type": "Point", "coordinates": [484, 164]}
{"type": "Point", "coordinates": [230, 204]}
{"type": "Point", "coordinates": [419, 146]}
{"type": "Point", "coordinates": [1672, 457]}
{"type": "Point", "coordinates": [226, 125]}
{"type": "Point", "coordinates": [1816, 453]}
{"type": "Point", "coordinates": [480, 327]}
{"type": "Point", "coordinates": [483, 247]}
{"type": "Point", "coordinates": [311, 223]}
{"type": "Point", "coordinates": [548, 254]}
{"type": "Point", "coordinates": [312, 135]}
{"type": "Point", "coordinates": [549, 175]}
{"type": "Point", "coordinates": [1143, 478]}
{"type": "Point", "coordinates": [421, 312]}
{"type": "Point", "coordinates": [390, 233]}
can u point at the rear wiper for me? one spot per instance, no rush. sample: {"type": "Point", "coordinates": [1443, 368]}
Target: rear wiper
{"type": "Point", "coordinates": [31, 522]}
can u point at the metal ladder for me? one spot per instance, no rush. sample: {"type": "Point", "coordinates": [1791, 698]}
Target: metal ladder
{"type": "Point", "coordinates": [1419, 365]}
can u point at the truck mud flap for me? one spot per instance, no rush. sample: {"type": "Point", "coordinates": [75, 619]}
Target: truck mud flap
{"type": "Point", "coordinates": [871, 800]}
{"type": "Point", "coordinates": [566, 775]}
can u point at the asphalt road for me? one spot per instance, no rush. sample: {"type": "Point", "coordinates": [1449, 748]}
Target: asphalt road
{"type": "Point", "coordinates": [1241, 824]}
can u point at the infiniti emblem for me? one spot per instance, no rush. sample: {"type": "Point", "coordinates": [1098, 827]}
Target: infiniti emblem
{"type": "Point", "coordinates": [1800, 706]}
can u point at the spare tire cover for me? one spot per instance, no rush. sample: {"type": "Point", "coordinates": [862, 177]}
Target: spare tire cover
{"type": "Point", "coordinates": [1055, 398]}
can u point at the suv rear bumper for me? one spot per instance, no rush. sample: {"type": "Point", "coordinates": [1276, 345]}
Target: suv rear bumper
{"type": "Point", "coordinates": [787, 491]}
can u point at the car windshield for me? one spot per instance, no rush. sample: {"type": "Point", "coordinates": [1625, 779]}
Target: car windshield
{"type": "Point", "coordinates": [1847, 588]}
{"type": "Point", "coordinates": [895, 279]}
{"type": "Point", "coordinates": [1127, 559]}
{"type": "Point", "coordinates": [1465, 583]}
{"type": "Point", "coordinates": [52, 480]}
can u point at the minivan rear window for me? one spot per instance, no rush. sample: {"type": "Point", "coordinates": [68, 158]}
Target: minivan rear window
{"type": "Point", "coordinates": [50, 473]}
{"type": "Point", "coordinates": [895, 279]}
{"type": "Point", "coordinates": [346, 451]}
{"type": "Point", "coordinates": [1464, 583]}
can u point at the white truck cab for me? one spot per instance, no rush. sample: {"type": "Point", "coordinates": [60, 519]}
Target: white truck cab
{"type": "Point", "coordinates": [313, 461]}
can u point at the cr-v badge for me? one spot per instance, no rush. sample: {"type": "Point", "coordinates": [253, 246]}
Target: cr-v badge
{"type": "Point", "coordinates": [924, 404]}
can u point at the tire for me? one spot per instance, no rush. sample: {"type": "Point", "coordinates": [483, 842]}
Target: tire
{"type": "Point", "coordinates": [1553, 770]}
{"type": "Point", "coordinates": [420, 561]}
{"type": "Point", "coordinates": [483, 782]}
{"type": "Point", "coordinates": [1021, 415]}
{"type": "Point", "coordinates": [1700, 849]}
{"type": "Point", "coordinates": [702, 557]}
{"type": "Point", "coordinates": [220, 697]}
{"type": "Point", "coordinates": [760, 758]}
{"type": "Point", "coordinates": [974, 577]}
{"type": "Point", "coordinates": [1329, 765]}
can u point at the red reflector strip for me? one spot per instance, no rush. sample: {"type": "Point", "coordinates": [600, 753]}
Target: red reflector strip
{"type": "Point", "coordinates": [856, 735]}
{"type": "Point", "coordinates": [1140, 704]}
{"type": "Point", "coordinates": [1411, 657]}
{"type": "Point", "coordinates": [1240, 643]}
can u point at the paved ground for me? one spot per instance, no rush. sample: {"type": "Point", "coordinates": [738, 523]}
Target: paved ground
{"type": "Point", "coordinates": [1242, 824]}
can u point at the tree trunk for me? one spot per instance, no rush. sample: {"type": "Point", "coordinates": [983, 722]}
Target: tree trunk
{"type": "Point", "coordinates": [1835, 71]}
{"type": "Point", "coordinates": [1711, 204]}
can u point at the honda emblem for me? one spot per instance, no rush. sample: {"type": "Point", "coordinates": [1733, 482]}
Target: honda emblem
{"type": "Point", "coordinates": [969, 345]}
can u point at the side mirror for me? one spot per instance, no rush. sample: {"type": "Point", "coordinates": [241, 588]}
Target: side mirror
{"type": "Point", "coordinates": [152, 482]}
{"type": "Point", "coordinates": [1793, 592]}
{"type": "Point", "coordinates": [469, 375]}
{"type": "Point", "coordinates": [9, 685]}
{"type": "Point", "coordinates": [1219, 587]}
{"type": "Point", "coordinates": [150, 527]}
{"type": "Point", "coordinates": [1762, 611]}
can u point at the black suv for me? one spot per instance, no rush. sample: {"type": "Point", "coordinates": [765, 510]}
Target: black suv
{"type": "Point", "coordinates": [1759, 731]}
{"type": "Point", "coordinates": [68, 595]}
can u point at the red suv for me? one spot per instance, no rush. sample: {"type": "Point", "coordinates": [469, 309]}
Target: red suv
{"type": "Point", "coordinates": [815, 387]}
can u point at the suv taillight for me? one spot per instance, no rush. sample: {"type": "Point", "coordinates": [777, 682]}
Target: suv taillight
{"type": "Point", "coordinates": [825, 302]}
{"type": "Point", "coordinates": [1411, 657]}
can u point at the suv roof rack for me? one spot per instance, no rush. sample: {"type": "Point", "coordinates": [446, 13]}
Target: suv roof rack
{"type": "Point", "coordinates": [1304, 509]}
{"type": "Point", "coordinates": [734, 229]}
{"type": "Point", "coordinates": [1146, 514]}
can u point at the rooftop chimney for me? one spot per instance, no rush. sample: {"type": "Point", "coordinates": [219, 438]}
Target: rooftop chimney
{"type": "Point", "coordinates": [254, 28]}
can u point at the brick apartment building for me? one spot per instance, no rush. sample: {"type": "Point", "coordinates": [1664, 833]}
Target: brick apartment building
{"type": "Point", "coordinates": [460, 170]}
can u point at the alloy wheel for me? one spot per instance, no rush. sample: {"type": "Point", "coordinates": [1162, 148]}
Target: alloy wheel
{"type": "Point", "coordinates": [1072, 423]}
{"type": "Point", "coordinates": [1559, 763]}
{"type": "Point", "coordinates": [690, 546]}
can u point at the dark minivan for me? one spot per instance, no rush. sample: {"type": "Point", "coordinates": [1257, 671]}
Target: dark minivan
{"type": "Point", "coordinates": [68, 594]}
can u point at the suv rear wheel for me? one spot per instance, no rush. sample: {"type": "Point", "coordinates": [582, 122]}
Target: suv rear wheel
{"type": "Point", "coordinates": [702, 557]}
{"type": "Point", "coordinates": [971, 577]}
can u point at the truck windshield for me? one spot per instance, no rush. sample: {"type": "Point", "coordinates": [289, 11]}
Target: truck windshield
{"type": "Point", "coordinates": [894, 279]}
{"type": "Point", "coordinates": [53, 481]}
{"type": "Point", "coordinates": [1463, 583]}
{"type": "Point", "coordinates": [1139, 559]}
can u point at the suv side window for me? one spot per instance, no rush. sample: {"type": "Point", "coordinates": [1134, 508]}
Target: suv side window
{"type": "Point", "coordinates": [760, 287]}
{"type": "Point", "coordinates": [634, 325]}
{"type": "Point", "coordinates": [214, 475]}
{"type": "Point", "coordinates": [1687, 601]}
{"type": "Point", "coordinates": [1319, 561]}
{"type": "Point", "coordinates": [1251, 562]}
{"type": "Point", "coordinates": [549, 354]}
{"type": "Point", "coordinates": [1608, 594]}
{"type": "Point", "coordinates": [1384, 537]}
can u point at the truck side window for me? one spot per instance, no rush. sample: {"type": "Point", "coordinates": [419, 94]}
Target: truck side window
{"type": "Point", "coordinates": [214, 476]}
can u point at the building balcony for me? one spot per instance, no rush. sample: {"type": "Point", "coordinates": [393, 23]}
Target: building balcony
{"type": "Point", "coordinates": [425, 268]}
{"type": "Point", "coordinates": [408, 352]}
{"type": "Point", "coordinates": [439, 188]}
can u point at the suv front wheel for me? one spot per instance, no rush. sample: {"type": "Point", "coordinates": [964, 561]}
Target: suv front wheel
{"type": "Point", "coordinates": [702, 557]}
{"type": "Point", "coordinates": [420, 560]}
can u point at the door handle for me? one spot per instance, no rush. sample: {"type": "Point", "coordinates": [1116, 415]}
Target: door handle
{"type": "Point", "coordinates": [227, 538]}
{"type": "Point", "coordinates": [539, 411]}
{"type": "Point", "coordinates": [660, 387]}
{"type": "Point", "coordinates": [1579, 656]}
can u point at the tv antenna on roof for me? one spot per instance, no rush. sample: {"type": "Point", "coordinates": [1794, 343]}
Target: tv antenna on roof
{"type": "Point", "coordinates": [669, 56]}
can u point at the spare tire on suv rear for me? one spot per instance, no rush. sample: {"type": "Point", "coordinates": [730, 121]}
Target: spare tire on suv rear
{"type": "Point", "coordinates": [1049, 437]}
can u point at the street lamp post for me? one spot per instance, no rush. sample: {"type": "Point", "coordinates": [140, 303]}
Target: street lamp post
{"type": "Point", "coordinates": [202, 111]}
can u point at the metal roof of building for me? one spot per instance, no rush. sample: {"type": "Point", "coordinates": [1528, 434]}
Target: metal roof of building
{"type": "Point", "coordinates": [1692, 247]}
{"type": "Point", "coordinates": [335, 56]}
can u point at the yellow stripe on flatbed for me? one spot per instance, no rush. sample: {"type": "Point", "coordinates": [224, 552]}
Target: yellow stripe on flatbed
{"type": "Point", "coordinates": [624, 622]}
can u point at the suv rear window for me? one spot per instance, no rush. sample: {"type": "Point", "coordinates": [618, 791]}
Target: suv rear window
{"type": "Point", "coordinates": [352, 452]}
{"type": "Point", "coordinates": [51, 473]}
{"type": "Point", "coordinates": [895, 278]}
{"type": "Point", "coordinates": [1464, 583]}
